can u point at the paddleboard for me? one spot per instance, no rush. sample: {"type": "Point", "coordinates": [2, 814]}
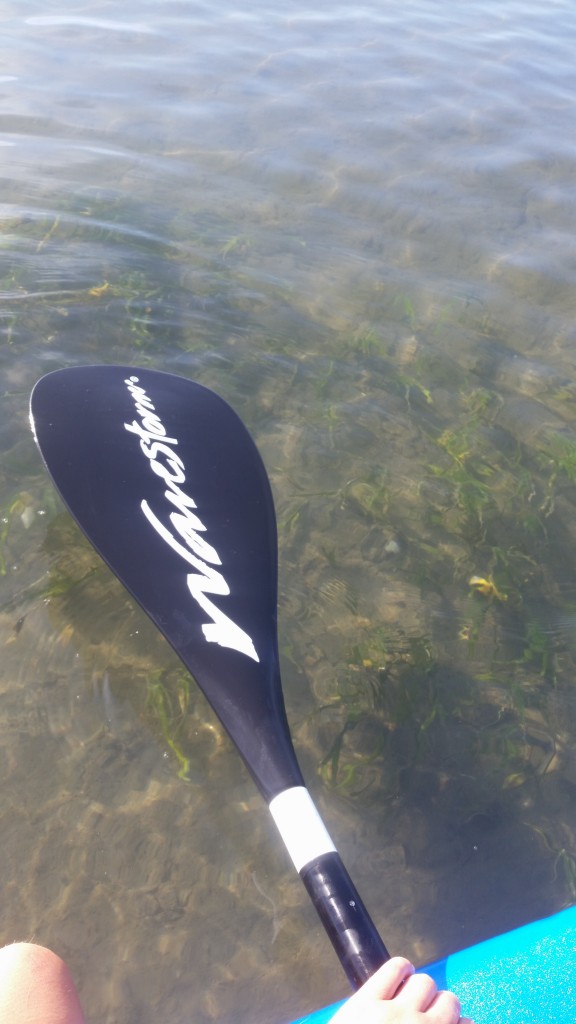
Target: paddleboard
{"type": "Point", "coordinates": [526, 976]}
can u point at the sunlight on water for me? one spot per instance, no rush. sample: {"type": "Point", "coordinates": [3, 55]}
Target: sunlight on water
{"type": "Point", "coordinates": [357, 225]}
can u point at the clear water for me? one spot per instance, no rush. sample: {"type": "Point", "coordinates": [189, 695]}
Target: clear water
{"type": "Point", "coordinates": [357, 224]}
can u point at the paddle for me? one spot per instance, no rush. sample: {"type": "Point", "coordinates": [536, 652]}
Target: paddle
{"type": "Point", "coordinates": [167, 484]}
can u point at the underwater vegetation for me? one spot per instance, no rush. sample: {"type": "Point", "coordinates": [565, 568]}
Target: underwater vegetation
{"type": "Point", "coordinates": [424, 471]}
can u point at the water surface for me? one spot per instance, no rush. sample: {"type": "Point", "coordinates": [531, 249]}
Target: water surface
{"type": "Point", "coordinates": [357, 224]}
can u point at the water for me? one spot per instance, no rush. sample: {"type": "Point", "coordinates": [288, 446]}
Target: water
{"type": "Point", "coordinates": [356, 224]}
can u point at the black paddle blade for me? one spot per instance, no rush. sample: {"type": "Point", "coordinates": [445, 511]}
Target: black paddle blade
{"type": "Point", "coordinates": [167, 484]}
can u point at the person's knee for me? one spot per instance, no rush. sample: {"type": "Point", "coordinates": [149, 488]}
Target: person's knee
{"type": "Point", "coordinates": [35, 984]}
{"type": "Point", "coordinates": [31, 960]}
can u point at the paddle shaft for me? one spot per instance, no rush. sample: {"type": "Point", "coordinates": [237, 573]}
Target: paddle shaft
{"type": "Point", "coordinates": [340, 908]}
{"type": "Point", "coordinates": [347, 923]}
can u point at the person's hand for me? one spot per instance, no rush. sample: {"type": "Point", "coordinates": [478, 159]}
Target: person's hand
{"type": "Point", "coordinates": [396, 995]}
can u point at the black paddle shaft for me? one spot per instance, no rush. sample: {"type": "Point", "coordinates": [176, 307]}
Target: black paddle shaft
{"type": "Point", "coordinates": [167, 484]}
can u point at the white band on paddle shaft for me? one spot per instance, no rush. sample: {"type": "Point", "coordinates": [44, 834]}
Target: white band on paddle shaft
{"type": "Point", "coordinates": [301, 827]}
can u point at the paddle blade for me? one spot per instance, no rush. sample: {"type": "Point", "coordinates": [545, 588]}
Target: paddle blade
{"type": "Point", "coordinates": [167, 484]}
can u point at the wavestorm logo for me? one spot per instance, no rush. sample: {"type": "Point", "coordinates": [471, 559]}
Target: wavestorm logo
{"type": "Point", "coordinates": [184, 533]}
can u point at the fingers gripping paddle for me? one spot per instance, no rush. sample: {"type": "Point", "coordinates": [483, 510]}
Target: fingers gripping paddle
{"type": "Point", "coordinates": [167, 484]}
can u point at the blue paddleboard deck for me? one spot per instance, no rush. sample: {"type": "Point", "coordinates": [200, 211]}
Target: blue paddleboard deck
{"type": "Point", "coordinates": [527, 976]}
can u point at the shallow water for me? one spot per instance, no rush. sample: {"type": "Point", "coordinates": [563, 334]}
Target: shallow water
{"type": "Point", "coordinates": [357, 225]}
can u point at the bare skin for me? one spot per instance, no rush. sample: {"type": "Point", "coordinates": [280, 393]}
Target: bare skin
{"type": "Point", "coordinates": [396, 995]}
{"type": "Point", "coordinates": [36, 987]}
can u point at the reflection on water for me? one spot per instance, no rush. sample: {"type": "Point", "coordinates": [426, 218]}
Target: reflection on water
{"type": "Point", "coordinates": [361, 232]}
